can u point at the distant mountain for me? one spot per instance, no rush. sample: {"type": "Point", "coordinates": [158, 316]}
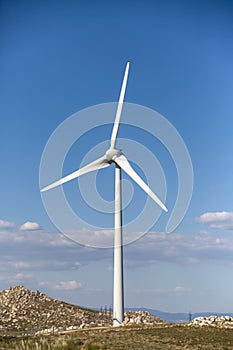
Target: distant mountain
{"type": "Point", "coordinates": [178, 316]}
{"type": "Point", "coordinates": [166, 316]}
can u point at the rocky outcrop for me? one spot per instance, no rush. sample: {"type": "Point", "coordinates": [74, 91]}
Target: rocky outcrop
{"type": "Point", "coordinates": [31, 311]}
{"type": "Point", "coordinates": [141, 317]}
{"type": "Point", "coordinates": [213, 321]}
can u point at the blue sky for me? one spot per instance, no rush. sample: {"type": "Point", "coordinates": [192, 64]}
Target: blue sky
{"type": "Point", "coordinates": [59, 57]}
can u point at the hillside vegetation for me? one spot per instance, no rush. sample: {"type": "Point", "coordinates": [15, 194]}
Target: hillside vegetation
{"type": "Point", "coordinates": [172, 337]}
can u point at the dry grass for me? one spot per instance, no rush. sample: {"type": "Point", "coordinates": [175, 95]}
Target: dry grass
{"type": "Point", "coordinates": [167, 337]}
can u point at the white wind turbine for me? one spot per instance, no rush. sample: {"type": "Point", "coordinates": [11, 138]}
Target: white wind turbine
{"type": "Point", "coordinates": [113, 155]}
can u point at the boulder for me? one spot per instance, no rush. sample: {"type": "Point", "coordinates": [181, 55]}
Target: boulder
{"type": "Point", "coordinates": [213, 321]}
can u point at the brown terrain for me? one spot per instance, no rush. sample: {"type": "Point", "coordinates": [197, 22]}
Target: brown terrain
{"type": "Point", "coordinates": [32, 320]}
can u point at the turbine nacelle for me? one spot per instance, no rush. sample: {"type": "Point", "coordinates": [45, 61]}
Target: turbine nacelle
{"type": "Point", "coordinates": [112, 154]}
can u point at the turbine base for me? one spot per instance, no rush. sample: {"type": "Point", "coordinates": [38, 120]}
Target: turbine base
{"type": "Point", "coordinates": [116, 323]}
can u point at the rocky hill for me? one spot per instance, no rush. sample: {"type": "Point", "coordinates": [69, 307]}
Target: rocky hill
{"type": "Point", "coordinates": [213, 321]}
{"type": "Point", "coordinates": [30, 312]}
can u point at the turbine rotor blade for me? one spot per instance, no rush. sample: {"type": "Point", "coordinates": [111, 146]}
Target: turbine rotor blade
{"type": "Point", "coordinates": [95, 165]}
{"type": "Point", "coordinates": [119, 107]}
{"type": "Point", "coordinates": [124, 164]}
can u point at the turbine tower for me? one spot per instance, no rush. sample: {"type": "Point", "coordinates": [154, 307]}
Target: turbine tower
{"type": "Point", "coordinates": [115, 156]}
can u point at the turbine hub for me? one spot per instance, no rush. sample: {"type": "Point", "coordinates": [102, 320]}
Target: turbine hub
{"type": "Point", "coordinates": [112, 153]}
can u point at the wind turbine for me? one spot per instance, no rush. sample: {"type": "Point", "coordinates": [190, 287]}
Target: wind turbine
{"type": "Point", "coordinates": [115, 156]}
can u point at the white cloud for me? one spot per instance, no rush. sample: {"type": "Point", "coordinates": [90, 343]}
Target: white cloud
{"type": "Point", "coordinates": [163, 291]}
{"type": "Point", "coordinates": [21, 265]}
{"type": "Point", "coordinates": [204, 232]}
{"type": "Point", "coordinates": [6, 224]}
{"type": "Point", "coordinates": [178, 248]}
{"type": "Point", "coordinates": [21, 251]}
{"type": "Point", "coordinates": [19, 278]}
{"type": "Point", "coordinates": [220, 220]}
{"type": "Point", "coordinates": [29, 226]}
{"type": "Point", "coordinates": [92, 238]}
{"type": "Point", "coordinates": [62, 285]}
{"type": "Point", "coordinates": [181, 289]}
{"type": "Point", "coordinates": [68, 285]}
